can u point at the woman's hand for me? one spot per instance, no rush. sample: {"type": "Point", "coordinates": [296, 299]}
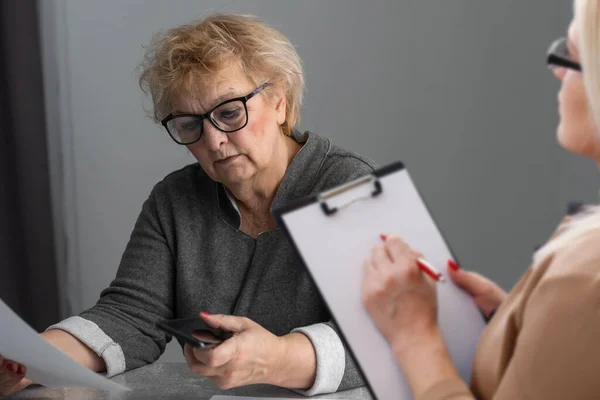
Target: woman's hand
{"type": "Point", "coordinates": [487, 295]}
{"type": "Point", "coordinates": [253, 355]}
{"type": "Point", "coordinates": [401, 300]}
{"type": "Point", "coordinates": [12, 377]}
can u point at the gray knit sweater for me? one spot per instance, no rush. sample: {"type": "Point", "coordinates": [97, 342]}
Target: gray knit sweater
{"type": "Point", "coordinates": [187, 254]}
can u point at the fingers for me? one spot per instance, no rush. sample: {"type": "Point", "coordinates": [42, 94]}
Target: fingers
{"type": "Point", "coordinates": [473, 283]}
{"type": "Point", "coordinates": [397, 249]}
{"type": "Point", "coordinates": [209, 362]}
{"type": "Point", "coordinates": [217, 356]}
{"type": "Point", "coordinates": [228, 323]}
{"type": "Point", "coordinates": [215, 362]}
{"type": "Point", "coordinates": [188, 354]}
{"type": "Point", "coordinates": [10, 366]}
{"type": "Point", "coordinates": [393, 261]}
{"type": "Point", "coordinates": [370, 283]}
{"type": "Point", "coordinates": [459, 277]}
{"type": "Point", "coordinates": [194, 364]}
{"type": "Point", "coordinates": [369, 268]}
{"type": "Point", "coordinates": [379, 257]}
{"type": "Point", "coordinates": [11, 376]}
{"type": "Point", "coordinates": [379, 271]}
{"type": "Point", "coordinates": [468, 281]}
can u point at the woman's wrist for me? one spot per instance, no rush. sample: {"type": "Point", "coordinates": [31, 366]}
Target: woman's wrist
{"type": "Point", "coordinates": [424, 359]}
{"type": "Point", "coordinates": [294, 364]}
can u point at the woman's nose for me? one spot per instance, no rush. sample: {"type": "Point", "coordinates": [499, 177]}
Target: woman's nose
{"type": "Point", "coordinates": [559, 72]}
{"type": "Point", "coordinates": [213, 137]}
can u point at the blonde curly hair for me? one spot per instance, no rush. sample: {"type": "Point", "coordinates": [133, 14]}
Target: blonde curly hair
{"type": "Point", "coordinates": [181, 58]}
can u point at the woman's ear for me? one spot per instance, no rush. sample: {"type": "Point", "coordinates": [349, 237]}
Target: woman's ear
{"type": "Point", "coordinates": [280, 106]}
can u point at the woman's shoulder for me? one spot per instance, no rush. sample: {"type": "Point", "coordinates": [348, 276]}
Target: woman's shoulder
{"type": "Point", "coordinates": [556, 319]}
{"type": "Point", "coordinates": [581, 255]}
{"type": "Point", "coordinates": [346, 157]}
{"type": "Point", "coordinates": [341, 165]}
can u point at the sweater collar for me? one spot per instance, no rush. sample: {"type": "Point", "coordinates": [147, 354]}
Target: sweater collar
{"type": "Point", "coordinates": [298, 181]}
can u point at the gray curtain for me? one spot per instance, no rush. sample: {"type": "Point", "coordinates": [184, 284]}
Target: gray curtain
{"type": "Point", "coordinates": [28, 282]}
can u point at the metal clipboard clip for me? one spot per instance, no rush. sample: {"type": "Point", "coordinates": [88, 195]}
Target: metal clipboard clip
{"type": "Point", "coordinates": [322, 198]}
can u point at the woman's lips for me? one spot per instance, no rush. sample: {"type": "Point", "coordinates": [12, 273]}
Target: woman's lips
{"type": "Point", "coordinates": [227, 160]}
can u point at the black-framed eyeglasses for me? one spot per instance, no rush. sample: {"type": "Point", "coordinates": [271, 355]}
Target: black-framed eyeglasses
{"type": "Point", "coordinates": [559, 56]}
{"type": "Point", "coordinates": [228, 116]}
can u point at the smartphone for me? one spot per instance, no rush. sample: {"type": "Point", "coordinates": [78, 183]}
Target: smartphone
{"type": "Point", "coordinates": [182, 330]}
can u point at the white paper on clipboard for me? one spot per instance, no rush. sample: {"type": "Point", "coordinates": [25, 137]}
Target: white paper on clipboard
{"type": "Point", "coordinates": [334, 248]}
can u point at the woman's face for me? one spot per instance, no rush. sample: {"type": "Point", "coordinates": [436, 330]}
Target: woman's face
{"type": "Point", "coordinates": [577, 131]}
{"type": "Point", "coordinates": [232, 158]}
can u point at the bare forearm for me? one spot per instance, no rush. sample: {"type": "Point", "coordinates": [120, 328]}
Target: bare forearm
{"type": "Point", "coordinates": [297, 366]}
{"type": "Point", "coordinates": [75, 349]}
{"type": "Point", "coordinates": [425, 362]}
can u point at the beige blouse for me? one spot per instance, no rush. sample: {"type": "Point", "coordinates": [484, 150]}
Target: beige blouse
{"type": "Point", "coordinates": [544, 340]}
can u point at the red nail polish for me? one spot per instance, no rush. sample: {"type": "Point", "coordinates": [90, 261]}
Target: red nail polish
{"type": "Point", "coordinates": [20, 371]}
{"type": "Point", "coordinates": [383, 237]}
{"type": "Point", "coordinates": [10, 367]}
{"type": "Point", "coordinates": [454, 266]}
{"type": "Point", "coordinates": [205, 314]}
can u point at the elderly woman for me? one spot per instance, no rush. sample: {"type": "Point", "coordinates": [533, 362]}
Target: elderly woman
{"type": "Point", "coordinates": [542, 340]}
{"type": "Point", "coordinates": [229, 89]}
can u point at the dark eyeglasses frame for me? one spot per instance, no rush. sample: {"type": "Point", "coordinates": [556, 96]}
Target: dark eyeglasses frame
{"type": "Point", "coordinates": [207, 115]}
{"type": "Point", "coordinates": [554, 59]}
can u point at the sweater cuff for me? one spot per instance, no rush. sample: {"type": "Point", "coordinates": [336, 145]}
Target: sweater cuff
{"type": "Point", "coordinates": [451, 388]}
{"type": "Point", "coordinates": [331, 358]}
{"type": "Point", "coordinates": [93, 337]}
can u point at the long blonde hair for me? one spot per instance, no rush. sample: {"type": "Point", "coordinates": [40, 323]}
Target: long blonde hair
{"type": "Point", "coordinates": [587, 15]}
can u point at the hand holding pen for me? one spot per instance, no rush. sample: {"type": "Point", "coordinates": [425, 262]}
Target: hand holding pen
{"type": "Point", "coordinates": [399, 295]}
{"type": "Point", "coordinates": [426, 267]}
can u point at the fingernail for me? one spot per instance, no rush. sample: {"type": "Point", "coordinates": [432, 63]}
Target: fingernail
{"type": "Point", "coordinates": [205, 314]}
{"type": "Point", "coordinates": [10, 367]}
{"type": "Point", "coordinates": [383, 237]}
{"type": "Point", "coordinates": [454, 266]}
{"type": "Point", "coordinates": [20, 371]}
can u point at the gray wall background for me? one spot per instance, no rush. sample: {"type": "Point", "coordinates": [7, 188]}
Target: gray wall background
{"type": "Point", "coordinates": [456, 89]}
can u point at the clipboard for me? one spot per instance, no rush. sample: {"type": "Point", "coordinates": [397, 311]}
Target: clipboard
{"type": "Point", "coordinates": [334, 231]}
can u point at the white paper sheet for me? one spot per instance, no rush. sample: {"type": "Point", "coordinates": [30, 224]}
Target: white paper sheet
{"type": "Point", "coordinates": [334, 249]}
{"type": "Point", "coordinates": [46, 365]}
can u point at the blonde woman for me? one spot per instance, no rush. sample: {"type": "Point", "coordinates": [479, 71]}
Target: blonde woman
{"type": "Point", "coordinates": [542, 342]}
{"type": "Point", "coordinates": [228, 88]}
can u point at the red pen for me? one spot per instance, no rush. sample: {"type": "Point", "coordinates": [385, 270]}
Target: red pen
{"type": "Point", "coordinates": [426, 267]}
{"type": "Point", "coordinates": [430, 270]}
